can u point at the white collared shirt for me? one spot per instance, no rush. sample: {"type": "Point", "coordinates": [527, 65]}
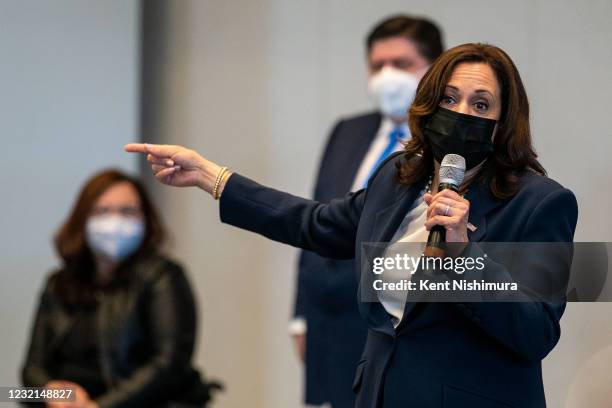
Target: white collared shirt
{"type": "Point", "coordinates": [411, 230]}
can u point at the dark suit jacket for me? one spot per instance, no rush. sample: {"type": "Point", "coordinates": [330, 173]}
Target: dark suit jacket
{"type": "Point", "coordinates": [327, 288]}
{"type": "Point", "coordinates": [476, 355]}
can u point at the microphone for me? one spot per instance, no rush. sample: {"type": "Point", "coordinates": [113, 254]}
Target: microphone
{"type": "Point", "coordinates": [452, 171]}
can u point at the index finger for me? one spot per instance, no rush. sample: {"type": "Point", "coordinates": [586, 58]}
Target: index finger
{"type": "Point", "coordinates": [448, 193]}
{"type": "Point", "coordinates": [154, 149]}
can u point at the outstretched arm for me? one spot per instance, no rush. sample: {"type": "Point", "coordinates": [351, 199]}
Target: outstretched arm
{"type": "Point", "coordinates": [327, 229]}
{"type": "Point", "coordinates": [181, 167]}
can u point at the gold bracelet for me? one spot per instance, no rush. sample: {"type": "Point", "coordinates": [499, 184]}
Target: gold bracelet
{"type": "Point", "coordinates": [223, 182]}
{"type": "Point", "coordinates": [215, 191]}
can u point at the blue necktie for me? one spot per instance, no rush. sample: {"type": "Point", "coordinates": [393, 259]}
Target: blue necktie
{"type": "Point", "coordinates": [394, 137]}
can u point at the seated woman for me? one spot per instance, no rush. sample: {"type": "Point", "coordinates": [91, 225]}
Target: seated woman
{"type": "Point", "coordinates": [117, 321]}
{"type": "Point", "coordinates": [472, 103]}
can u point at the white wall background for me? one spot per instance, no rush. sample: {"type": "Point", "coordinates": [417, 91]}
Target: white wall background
{"type": "Point", "coordinates": [257, 85]}
{"type": "Point", "coordinates": [68, 101]}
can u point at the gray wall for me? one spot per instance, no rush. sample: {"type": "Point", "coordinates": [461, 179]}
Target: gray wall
{"type": "Point", "coordinates": [69, 83]}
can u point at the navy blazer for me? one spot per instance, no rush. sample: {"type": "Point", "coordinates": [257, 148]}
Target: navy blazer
{"type": "Point", "coordinates": [326, 288]}
{"type": "Point", "coordinates": [477, 355]}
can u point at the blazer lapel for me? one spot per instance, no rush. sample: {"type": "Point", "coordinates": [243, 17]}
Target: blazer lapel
{"type": "Point", "coordinates": [385, 225]}
{"type": "Point", "coordinates": [482, 203]}
{"type": "Point", "coordinates": [389, 218]}
{"type": "Point", "coordinates": [361, 139]}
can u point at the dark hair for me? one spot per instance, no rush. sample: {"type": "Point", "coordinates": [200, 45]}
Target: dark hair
{"type": "Point", "coordinates": [423, 32]}
{"type": "Point", "coordinates": [513, 152]}
{"type": "Point", "coordinates": [75, 282]}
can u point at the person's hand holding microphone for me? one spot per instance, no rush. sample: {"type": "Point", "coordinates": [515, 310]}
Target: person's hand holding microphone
{"type": "Point", "coordinates": [181, 167]}
{"type": "Point", "coordinates": [447, 212]}
{"type": "Point", "coordinates": [451, 211]}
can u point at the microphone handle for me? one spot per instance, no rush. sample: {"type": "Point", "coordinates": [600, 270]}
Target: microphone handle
{"type": "Point", "coordinates": [437, 234]}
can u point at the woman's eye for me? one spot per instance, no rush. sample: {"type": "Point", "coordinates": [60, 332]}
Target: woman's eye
{"type": "Point", "coordinates": [447, 100]}
{"type": "Point", "coordinates": [99, 211]}
{"type": "Point", "coordinates": [129, 211]}
{"type": "Point", "coordinates": [481, 106]}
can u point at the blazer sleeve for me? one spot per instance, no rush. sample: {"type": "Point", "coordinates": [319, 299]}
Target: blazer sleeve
{"type": "Point", "coordinates": [171, 310]}
{"type": "Point", "coordinates": [531, 329]}
{"type": "Point", "coordinates": [328, 229]}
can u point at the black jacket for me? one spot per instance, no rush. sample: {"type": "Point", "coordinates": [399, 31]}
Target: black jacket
{"type": "Point", "coordinates": [146, 332]}
{"type": "Point", "coordinates": [449, 355]}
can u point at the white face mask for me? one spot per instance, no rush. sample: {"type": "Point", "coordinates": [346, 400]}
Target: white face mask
{"type": "Point", "coordinates": [394, 91]}
{"type": "Point", "coordinates": [114, 236]}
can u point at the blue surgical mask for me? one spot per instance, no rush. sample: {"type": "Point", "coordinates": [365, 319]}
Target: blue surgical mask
{"type": "Point", "coordinates": [114, 236]}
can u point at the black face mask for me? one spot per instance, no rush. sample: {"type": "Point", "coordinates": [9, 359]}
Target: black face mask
{"type": "Point", "coordinates": [458, 133]}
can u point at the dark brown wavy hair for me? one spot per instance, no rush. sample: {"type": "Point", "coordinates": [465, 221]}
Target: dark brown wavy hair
{"type": "Point", "coordinates": [513, 151]}
{"type": "Point", "coordinates": [75, 281]}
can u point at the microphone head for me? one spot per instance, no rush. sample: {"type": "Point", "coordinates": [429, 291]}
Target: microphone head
{"type": "Point", "coordinates": [452, 169]}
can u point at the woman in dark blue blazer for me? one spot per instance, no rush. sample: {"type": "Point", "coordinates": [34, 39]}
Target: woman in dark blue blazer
{"type": "Point", "coordinates": [461, 354]}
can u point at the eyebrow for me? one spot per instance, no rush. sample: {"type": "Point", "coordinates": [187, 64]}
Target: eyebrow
{"type": "Point", "coordinates": [479, 91]}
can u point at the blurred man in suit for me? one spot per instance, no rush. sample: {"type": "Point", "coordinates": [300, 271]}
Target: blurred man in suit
{"type": "Point", "coordinates": [328, 331]}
